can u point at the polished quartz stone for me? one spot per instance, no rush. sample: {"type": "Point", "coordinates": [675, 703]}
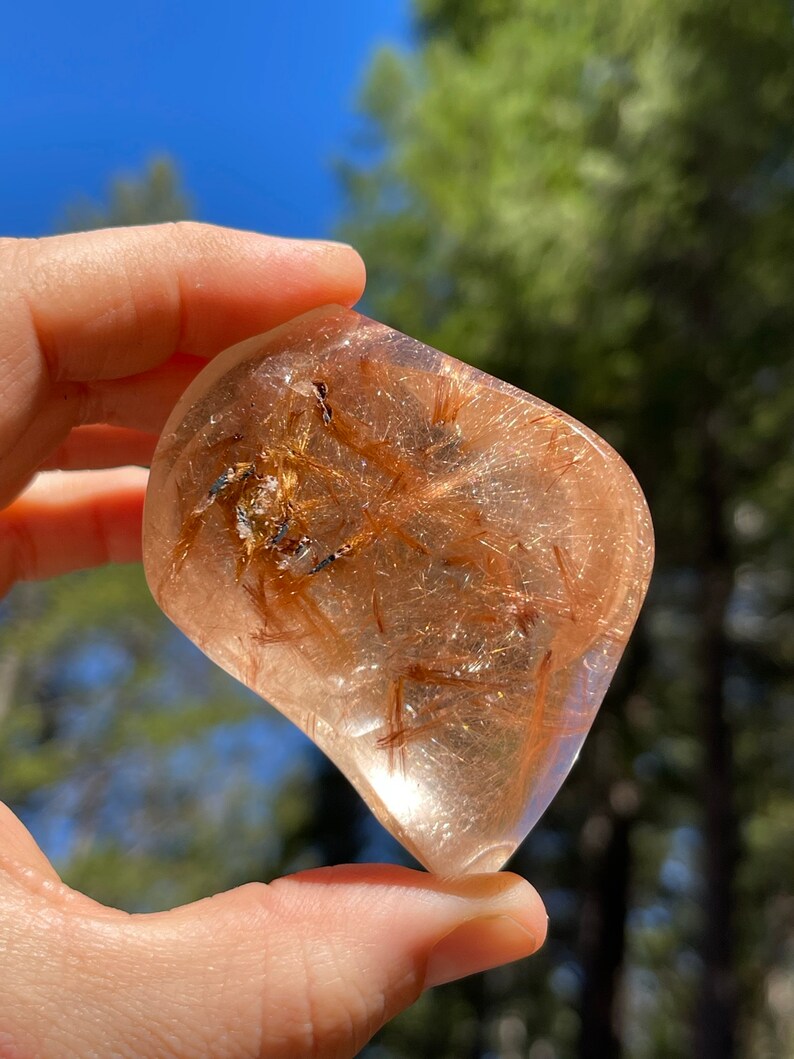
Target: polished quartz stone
{"type": "Point", "coordinates": [429, 571]}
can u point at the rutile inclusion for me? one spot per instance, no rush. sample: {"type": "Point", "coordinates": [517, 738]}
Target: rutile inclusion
{"type": "Point", "coordinates": [431, 572]}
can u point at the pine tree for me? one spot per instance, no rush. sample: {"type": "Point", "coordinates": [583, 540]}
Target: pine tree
{"type": "Point", "coordinates": [594, 201]}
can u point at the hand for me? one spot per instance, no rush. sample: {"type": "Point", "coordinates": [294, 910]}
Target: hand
{"type": "Point", "coordinates": [99, 335]}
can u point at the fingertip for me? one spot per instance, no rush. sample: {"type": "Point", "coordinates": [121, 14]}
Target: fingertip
{"type": "Point", "coordinates": [260, 281]}
{"type": "Point", "coordinates": [348, 266]}
{"type": "Point", "coordinates": [449, 927]}
{"type": "Point", "coordinates": [337, 270]}
{"type": "Point", "coordinates": [479, 921]}
{"type": "Point", "coordinates": [478, 945]}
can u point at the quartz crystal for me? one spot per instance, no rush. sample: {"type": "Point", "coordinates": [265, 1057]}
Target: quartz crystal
{"type": "Point", "coordinates": [429, 571]}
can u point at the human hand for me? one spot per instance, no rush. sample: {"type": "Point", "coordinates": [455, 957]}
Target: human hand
{"type": "Point", "coordinates": [99, 335]}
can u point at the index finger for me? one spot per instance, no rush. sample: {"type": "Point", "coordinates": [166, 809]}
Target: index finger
{"type": "Point", "coordinates": [103, 305]}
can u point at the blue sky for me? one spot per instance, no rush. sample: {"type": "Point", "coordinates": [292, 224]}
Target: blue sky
{"type": "Point", "coordinates": [253, 99]}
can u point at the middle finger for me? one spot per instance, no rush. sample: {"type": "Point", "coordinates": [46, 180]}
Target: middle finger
{"type": "Point", "coordinates": [140, 403]}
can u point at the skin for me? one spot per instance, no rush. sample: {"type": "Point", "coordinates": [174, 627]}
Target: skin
{"type": "Point", "coordinates": [99, 334]}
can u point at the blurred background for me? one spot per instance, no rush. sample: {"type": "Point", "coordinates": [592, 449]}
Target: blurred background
{"type": "Point", "coordinates": [595, 200]}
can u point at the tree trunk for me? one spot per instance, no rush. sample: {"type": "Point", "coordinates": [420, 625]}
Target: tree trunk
{"type": "Point", "coordinates": [475, 991]}
{"type": "Point", "coordinates": [338, 817]}
{"type": "Point", "coordinates": [607, 849]}
{"type": "Point", "coordinates": [10, 666]}
{"type": "Point", "coordinates": [603, 924]}
{"type": "Point", "coordinates": [715, 1024]}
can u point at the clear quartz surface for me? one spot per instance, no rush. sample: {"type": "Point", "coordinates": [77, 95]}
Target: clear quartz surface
{"type": "Point", "coordinates": [431, 572]}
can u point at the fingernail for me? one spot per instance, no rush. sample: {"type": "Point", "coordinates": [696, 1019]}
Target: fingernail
{"type": "Point", "coordinates": [327, 242]}
{"type": "Point", "coordinates": [478, 945]}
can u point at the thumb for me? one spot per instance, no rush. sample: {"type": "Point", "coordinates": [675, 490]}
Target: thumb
{"type": "Point", "coordinates": [310, 965]}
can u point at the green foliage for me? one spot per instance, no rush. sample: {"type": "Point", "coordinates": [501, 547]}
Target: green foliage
{"type": "Point", "coordinates": [595, 201]}
{"type": "Point", "coordinates": [126, 751]}
{"type": "Point", "coordinates": [153, 199]}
